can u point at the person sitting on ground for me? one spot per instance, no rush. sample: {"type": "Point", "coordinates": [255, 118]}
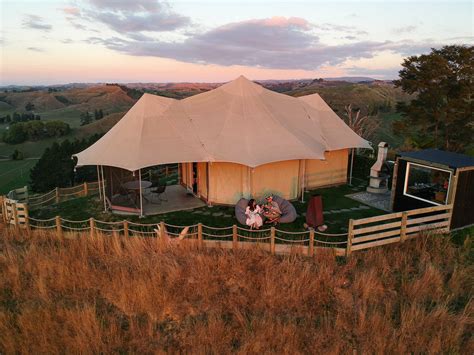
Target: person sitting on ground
{"type": "Point", "coordinates": [254, 220]}
{"type": "Point", "coordinates": [271, 211]}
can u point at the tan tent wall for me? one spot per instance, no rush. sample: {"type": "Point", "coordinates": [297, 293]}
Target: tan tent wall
{"type": "Point", "coordinates": [202, 180]}
{"type": "Point", "coordinates": [279, 178]}
{"type": "Point", "coordinates": [332, 171]}
{"type": "Point", "coordinates": [186, 174]}
{"type": "Point", "coordinates": [228, 182]}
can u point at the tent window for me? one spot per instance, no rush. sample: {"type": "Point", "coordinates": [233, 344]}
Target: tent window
{"type": "Point", "coordinates": [427, 184]}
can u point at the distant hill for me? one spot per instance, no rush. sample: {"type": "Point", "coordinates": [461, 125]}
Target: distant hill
{"type": "Point", "coordinates": [67, 104]}
{"type": "Point", "coordinates": [351, 79]}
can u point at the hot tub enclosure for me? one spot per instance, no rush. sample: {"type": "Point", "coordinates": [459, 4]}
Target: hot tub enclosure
{"type": "Point", "coordinates": [434, 177]}
{"type": "Point", "coordinates": [238, 140]}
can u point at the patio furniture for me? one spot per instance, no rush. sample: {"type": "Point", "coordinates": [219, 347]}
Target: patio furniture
{"type": "Point", "coordinates": [158, 191]}
{"type": "Point", "coordinates": [135, 186]}
{"type": "Point", "coordinates": [288, 210]}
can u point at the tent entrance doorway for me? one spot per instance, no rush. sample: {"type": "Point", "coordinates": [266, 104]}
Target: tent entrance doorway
{"type": "Point", "coordinates": [195, 179]}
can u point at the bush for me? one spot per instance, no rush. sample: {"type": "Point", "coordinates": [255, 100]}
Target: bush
{"type": "Point", "coordinates": [17, 155]}
{"type": "Point", "coordinates": [35, 130]}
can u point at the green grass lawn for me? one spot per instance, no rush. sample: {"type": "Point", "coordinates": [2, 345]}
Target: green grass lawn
{"type": "Point", "coordinates": [14, 174]}
{"type": "Point", "coordinates": [333, 199]}
{"type": "Point", "coordinates": [69, 115]}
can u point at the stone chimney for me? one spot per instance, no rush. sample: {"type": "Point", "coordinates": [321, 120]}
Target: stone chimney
{"type": "Point", "coordinates": [379, 172]}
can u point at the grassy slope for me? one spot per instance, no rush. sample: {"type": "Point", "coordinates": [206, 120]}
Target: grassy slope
{"type": "Point", "coordinates": [14, 174]}
{"type": "Point", "coordinates": [136, 296]}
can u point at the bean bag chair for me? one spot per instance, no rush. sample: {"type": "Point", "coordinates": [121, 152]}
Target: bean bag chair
{"type": "Point", "coordinates": [240, 210]}
{"type": "Point", "coordinates": [288, 210]}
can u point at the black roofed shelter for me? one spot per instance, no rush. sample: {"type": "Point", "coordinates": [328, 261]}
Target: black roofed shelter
{"type": "Point", "coordinates": [435, 177]}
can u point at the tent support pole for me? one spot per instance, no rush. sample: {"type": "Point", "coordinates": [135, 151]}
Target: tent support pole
{"type": "Point", "coordinates": [103, 187]}
{"type": "Point", "coordinates": [303, 178]}
{"type": "Point", "coordinates": [352, 165]}
{"type": "Point", "coordinates": [209, 201]}
{"type": "Point", "coordinates": [99, 182]}
{"type": "Point", "coordinates": [141, 196]}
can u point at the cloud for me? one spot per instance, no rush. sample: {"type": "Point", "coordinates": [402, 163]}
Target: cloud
{"type": "Point", "coordinates": [127, 17]}
{"type": "Point", "coordinates": [36, 22]}
{"type": "Point", "coordinates": [73, 11]}
{"type": "Point", "coordinates": [277, 43]}
{"type": "Point", "coordinates": [127, 5]}
{"type": "Point", "coordinates": [404, 29]}
{"type": "Point", "coordinates": [153, 22]}
{"type": "Point", "coordinates": [35, 49]}
{"type": "Point", "coordinates": [331, 27]}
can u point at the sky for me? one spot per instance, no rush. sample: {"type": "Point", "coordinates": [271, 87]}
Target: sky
{"type": "Point", "coordinates": [65, 41]}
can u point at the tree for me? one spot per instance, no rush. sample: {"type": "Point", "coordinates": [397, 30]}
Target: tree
{"type": "Point", "coordinates": [364, 125]}
{"type": "Point", "coordinates": [441, 115]}
{"type": "Point", "coordinates": [55, 168]}
{"type": "Point", "coordinates": [86, 118]}
{"type": "Point", "coordinates": [29, 106]}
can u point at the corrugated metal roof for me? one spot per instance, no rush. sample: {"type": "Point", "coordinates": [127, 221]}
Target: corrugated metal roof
{"type": "Point", "coordinates": [453, 160]}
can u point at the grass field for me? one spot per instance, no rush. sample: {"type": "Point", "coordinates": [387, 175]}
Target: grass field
{"type": "Point", "coordinates": [333, 199]}
{"type": "Point", "coordinates": [14, 174]}
{"type": "Point", "coordinates": [115, 295]}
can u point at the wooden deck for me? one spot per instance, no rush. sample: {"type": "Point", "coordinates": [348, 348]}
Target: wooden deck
{"type": "Point", "coordinates": [176, 198]}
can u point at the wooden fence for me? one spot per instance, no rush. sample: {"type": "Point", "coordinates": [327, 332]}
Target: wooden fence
{"type": "Point", "coordinates": [362, 233]}
{"type": "Point", "coordinates": [397, 227]}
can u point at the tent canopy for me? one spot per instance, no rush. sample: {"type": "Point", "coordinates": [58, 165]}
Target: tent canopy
{"type": "Point", "coordinates": [239, 122]}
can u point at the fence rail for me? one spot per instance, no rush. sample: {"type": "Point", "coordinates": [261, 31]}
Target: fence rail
{"type": "Point", "coordinates": [397, 227]}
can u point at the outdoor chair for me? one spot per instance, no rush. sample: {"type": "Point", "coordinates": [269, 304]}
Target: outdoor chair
{"type": "Point", "coordinates": [127, 195]}
{"type": "Point", "coordinates": [157, 192]}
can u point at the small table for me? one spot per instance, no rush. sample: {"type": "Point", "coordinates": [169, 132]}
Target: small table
{"type": "Point", "coordinates": [135, 187]}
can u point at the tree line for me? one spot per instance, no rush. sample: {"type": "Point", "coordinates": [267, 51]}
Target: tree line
{"type": "Point", "coordinates": [55, 168]}
{"type": "Point", "coordinates": [20, 117]}
{"type": "Point", "coordinates": [34, 130]}
{"type": "Point", "coordinates": [86, 117]}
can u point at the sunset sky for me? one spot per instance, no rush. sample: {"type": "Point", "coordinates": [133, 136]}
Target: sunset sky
{"type": "Point", "coordinates": [56, 42]}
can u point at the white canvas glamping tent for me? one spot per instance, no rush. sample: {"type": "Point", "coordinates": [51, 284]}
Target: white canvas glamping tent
{"type": "Point", "coordinates": [238, 140]}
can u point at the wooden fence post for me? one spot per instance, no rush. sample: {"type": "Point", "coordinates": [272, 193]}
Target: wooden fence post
{"type": "Point", "coordinates": [86, 189]}
{"type": "Point", "coordinates": [4, 211]}
{"type": "Point", "coordinates": [92, 226]}
{"type": "Point", "coordinates": [27, 221]}
{"type": "Point", "coordinates": [57, 194]}
{"type": "Point", "coordinates": [200, 239]}
{"type": "Point", "coordinates": [15, 215]}
{"type": "Point", "coordinates": [166, 171]}
{"type": "Point", "coordinates": [235, 237]}
{"type": "Point", "coordinates": [311, 243]}
{"type": "Point", "coordinates": [350, 236]}
{"type": "Point", "coordinates": [59, 228]}
{"type": "Point", "coordinates": [162, 230]}
{"type": "Point", "coordinates": [125, 228]}
{"type": "Point", "coordinates": [272, 240]}
{"type": "Point", "coordinates": [403, 227]}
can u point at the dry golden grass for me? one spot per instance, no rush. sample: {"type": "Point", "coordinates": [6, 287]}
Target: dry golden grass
{"type": "Point", "coordinates": [82, 295]}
